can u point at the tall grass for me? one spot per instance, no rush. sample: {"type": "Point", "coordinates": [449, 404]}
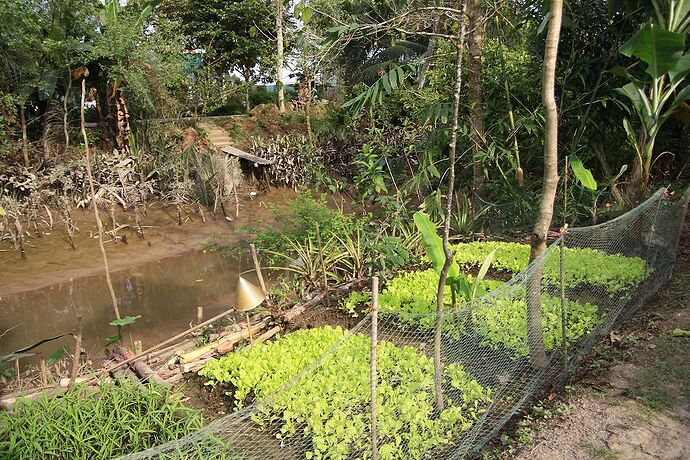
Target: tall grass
{"type": "Point", "coordinates": [86, 423]}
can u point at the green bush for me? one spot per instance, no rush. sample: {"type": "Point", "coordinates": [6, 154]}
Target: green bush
{"type": "Point", "coordinates": [582, 266]}
{"type": "Point", "coordinates": [297, 220]}
{"type": "Point", "coordinates": [330, 405]}
{"type": "Point", "coordinates": [85, 423]}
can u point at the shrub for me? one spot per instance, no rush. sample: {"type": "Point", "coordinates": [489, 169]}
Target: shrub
{"type": "Point", "coordinates": [109, 422]}
{"type": "Point", "coordinates": [330, 404]}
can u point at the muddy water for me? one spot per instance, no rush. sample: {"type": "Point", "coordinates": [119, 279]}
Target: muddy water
{"type": "Point", "coordinates": [165, 293]}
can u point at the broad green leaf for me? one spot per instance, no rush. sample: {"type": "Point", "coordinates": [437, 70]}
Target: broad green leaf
{"type": "Point", "coordinates": [111, 339]}
{"type": "Point", "coordinates": [55, 357]}
{"type": "Point", "coordinates": [386, 80]}
{"type": "Point", "coordinates": [480, 276]}
{"type": "Point", "coordinates": [126, 321]}
{"type": "Point", "coordinates": [306, 14]}
{"type": "Point", "coordinates": [434, 244]}
{"type": "Point", "coordinates": [582, 174]}
{"type": "Point", "coordinates": [681, 69]}
{"type": "Point", "coordinates": [658, 48]}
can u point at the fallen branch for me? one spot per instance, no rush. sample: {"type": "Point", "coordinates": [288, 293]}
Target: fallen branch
{"type": "Point", "coordinates": [197, 365]}
{"type": "Point", "coordinates": [300, 308]}
{"type": "Point", "coordinates": [139, 367]}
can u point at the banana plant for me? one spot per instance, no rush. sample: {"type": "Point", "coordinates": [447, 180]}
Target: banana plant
{"type": "Point", "coordinates": [460, 284]}
{"type": "Point", "coordinates": [660, 45]}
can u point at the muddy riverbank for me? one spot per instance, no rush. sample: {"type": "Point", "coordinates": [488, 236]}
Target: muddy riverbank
{"type": "Point", "coordinates": [163, 278]}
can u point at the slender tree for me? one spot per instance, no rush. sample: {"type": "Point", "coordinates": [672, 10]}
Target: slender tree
{"type": "Point", "coordinates": [279, 56]}
{"type": "Point", "coordinates": [535, 335]}
{"type": "Point", "coordinates": [452, 149]}
{"type": "Point", "coordinates": [475, 40]}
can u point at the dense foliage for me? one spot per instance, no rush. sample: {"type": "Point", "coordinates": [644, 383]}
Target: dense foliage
{"type": "Point", "coordinates": [582, 266]}
{"type": "Point", "coordinates": [328, 404]}
{"type": "Point", "coordinates": [500, 319]}
{"type": "Point", "coordinates": [104, 422]}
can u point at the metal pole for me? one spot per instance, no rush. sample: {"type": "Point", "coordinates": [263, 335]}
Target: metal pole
{"type": "Point", "coordinates": [374, 341]}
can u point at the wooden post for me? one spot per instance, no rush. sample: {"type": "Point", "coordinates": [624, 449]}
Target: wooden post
{"type": "Point", "coordinates": [16, 369]}
{"type": "Point", "coordinates": [249, 329]}
{"type": "Point", "coordinates": [138, 347]}
{"type": "Point", "coordinates": [374, 341]}
{"type": "Point", "coordinates": [44, 372]}
{"type": "Point", "coordinates": [77, 353]}
{"type": "Point", "coordinates": [257, 267]}
{"type": "Point", "coordinates": [199, 314]}
{"type": "Point", "coordinates": [323, 265]}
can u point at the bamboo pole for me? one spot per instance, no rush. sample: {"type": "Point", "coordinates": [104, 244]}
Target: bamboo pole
{"type": "Point", "coordinates": [92, 189]}
{"type": "Point", "coordinates": [374, 343]}
{"type": "Point", "coordinates": [257, 267]}
{"type": "Point", "coordinates": [323, 266]}
{"type": "Point", "coordinates": [170, 340]}
{"type": "Point", "coordinates": [77, 354]}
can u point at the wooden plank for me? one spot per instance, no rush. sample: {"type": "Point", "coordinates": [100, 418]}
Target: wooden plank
{"type": "Point", "coordinates": [230, 150]}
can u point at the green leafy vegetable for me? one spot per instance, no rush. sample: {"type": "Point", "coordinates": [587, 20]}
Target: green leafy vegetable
{"type": "Point", "coordinates": [329, 406]}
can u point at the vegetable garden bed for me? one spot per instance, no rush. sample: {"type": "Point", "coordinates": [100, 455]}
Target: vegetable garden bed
{"type": "Point", "coordinates": [330, 405]}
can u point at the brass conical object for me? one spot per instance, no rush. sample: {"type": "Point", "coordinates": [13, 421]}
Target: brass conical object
{"type": "Point", "coordinates": [247, 295]}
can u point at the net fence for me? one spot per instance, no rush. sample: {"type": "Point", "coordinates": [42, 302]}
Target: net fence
{"type": "Point", "coordinates": [498, 353]}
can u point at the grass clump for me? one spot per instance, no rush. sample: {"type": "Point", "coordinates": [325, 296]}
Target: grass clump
{"type": "Point", "coordinates": [329, 405]}
{"type": "Point", "coordinates": [87, 423]}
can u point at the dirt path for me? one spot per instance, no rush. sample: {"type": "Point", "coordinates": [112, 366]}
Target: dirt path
{"type": "Point", "coordinates": [50, 259]}
{"type": "Point", "coordinates": [632, 399]}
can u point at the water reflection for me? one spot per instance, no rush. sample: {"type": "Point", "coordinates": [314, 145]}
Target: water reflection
{"type": "Point", "coordinates": [165, 293]}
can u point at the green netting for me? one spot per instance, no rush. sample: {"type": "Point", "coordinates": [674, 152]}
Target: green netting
{"type": "Point", "coordinates": [593, 277]}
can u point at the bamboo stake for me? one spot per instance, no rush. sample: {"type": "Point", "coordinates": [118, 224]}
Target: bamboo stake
{"type": "Point", "coordinates": [249, 328]}
{"type": "Point", "coordinates": [323, 266]}
{"type": "Point", "coordinates": [92, 189]}
{"type": "Point", "coordinates": [199, 314]}
{"type": "Point", "coordinates": [257, 267]}
{"type": "Point", "coordinates": [77, 353]}
{"type": "Point", "coordinates": [44, 372]}
{"type": "Point", "coordinates": [374, 340]}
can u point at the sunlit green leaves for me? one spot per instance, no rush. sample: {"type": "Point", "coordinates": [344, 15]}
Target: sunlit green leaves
{"type": "Point", "coordinates": [328, 404]}
{"type": "Point", "coordinates": [656, 47]}
{"type": "Point", "coordinates": [125, 321]}
{"type": "Point", "coordinates": [582, 174]}
{"type": "Point", "coordinates": [95, 422]}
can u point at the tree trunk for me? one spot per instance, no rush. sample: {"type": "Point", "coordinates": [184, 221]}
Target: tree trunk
{"type": "Point", "coordinates": [65, 110]}
{"type": "Point", "coordinates": [246, 96]}
{"type": "Point", "coordinates": [279, 57]}
{"type": "Point", "coordinates": [535, 334]}
{"type": "Point", "coordinates": [307, 111]}
{"type": "Point", "coordinates": [92, 189]}
{"type": "Point", "coordinates": [475, 40]}
{"type": "Point", "coordinates": [25, 142]}
{"type": "Point", "coordinates": [438, 381]}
